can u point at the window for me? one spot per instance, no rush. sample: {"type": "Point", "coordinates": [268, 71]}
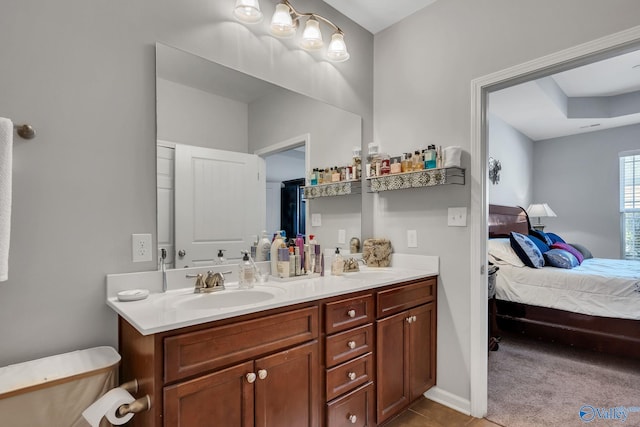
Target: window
{"type": "Point", "coordinates": [630, 204]}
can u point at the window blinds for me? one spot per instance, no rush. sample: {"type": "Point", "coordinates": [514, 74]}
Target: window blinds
{"type": "Point", "coordinates": [630, 204]}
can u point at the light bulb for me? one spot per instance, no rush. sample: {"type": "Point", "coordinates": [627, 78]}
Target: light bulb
{"type": "Point", "coordinates": [281, 22]}
{"type": "Point", "coordinates": [248, 11]}
{"type": "Point", "coordinates": [337, 51]}
{"type": "Point", "coordinates": [311, 37]}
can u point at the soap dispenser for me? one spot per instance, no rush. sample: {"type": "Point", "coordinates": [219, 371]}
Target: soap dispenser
{"type": "Point", "coordinates": [221, 259]}
{"type": "Point", "coordinates": [247, 273]}
{"type": "Point", "coordinates": [337, 264]}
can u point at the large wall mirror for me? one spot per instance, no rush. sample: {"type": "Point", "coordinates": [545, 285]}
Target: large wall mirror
{"type": "Point", "coordinates": [232, 152]}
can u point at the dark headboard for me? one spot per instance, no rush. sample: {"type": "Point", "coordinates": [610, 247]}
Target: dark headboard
{"type": "Point", "coordinates": [505, 219]}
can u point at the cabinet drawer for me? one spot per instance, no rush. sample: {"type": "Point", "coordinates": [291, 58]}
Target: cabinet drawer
{"type": "Point", "coordinates": [395, 300]}
{"type": "Point", "coordinates": [354, 409]}
{"type": "Point", "coordinates": [348, 344]}
{"type": "Point", "coordinates": [349, 375]}
{"type": "Point", "coordinates": [195, 352]}
{"type": "Point", "coordinates": [347, 313]}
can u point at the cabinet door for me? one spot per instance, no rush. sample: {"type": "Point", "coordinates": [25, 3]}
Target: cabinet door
{"type": "Point", "coordinates": [392, 378]}
{"type": "Point", "coordinates": [287, 388]}
{"type": "Point", "coordinates": [422, 349]}
{"type": "Point", "coordinates": [222, 398]}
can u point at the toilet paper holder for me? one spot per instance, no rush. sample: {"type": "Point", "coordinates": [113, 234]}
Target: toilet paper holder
{"type": "Point", "coordinates": [139, 405]}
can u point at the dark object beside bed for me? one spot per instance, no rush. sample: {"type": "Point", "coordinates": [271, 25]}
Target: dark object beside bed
{"type": "Point", "coordinates": [603, 334]}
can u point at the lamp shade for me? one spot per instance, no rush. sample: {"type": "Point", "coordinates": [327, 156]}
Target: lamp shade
{"type": "Point", "coordinates": [540, 210]}
{"type": "Point", "coordinates": [248, 11]}
{"type": "Point", "coordinates": [281, 22]}
{"type": "Point", "coordinates": [337, 51]}
{"type": "Point", "coordinates": [312, 37]}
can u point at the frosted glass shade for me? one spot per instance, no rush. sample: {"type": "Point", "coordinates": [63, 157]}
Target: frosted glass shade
{"type": "Point", "coordinates": [248, 11]}
{"type": "Point", "coordinates": [281, 22]}
{"type": "Point", "coordinates": [312, 37]}
{"type": "Point", "coordinates": [337, 51]}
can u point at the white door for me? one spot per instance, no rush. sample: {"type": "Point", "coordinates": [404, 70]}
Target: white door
{"type": "Point", "coordinates": [219, 203]}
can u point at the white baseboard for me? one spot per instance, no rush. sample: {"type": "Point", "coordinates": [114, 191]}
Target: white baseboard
{"type": "Point", "coordinates": [449, 399]}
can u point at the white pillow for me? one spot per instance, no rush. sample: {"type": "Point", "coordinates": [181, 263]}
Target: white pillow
{"type": "Point", "coordinates": [501, 250]}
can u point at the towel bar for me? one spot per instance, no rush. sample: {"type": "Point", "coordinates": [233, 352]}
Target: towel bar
{"type": "Point", "coordinates": [25, 131]}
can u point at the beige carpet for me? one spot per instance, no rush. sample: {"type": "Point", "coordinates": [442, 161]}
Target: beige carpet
{"type": "Point", "coordinates": [534, 384]}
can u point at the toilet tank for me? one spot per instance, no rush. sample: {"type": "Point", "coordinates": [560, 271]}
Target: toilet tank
{"type": "Point", "coordinates": [53, 391]}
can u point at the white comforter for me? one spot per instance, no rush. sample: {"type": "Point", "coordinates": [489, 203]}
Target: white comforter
{"type": "Point", "coordinates": [598, 287]}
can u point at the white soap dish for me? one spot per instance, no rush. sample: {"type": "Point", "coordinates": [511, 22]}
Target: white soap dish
{"type": "Point", "coordinates": [133, 295]}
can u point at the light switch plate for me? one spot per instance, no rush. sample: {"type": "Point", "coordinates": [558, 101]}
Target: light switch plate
{"type": "Point", "coordinates": [316, 220]}
{"type": "Point", "coordinates": [342, 236]}
{"type": "Point", "coordinates": [412, 239]}
{"type": "Point", "coordinates": [141, 247]}
{"type": "Point", "coordinates": [457, 217]}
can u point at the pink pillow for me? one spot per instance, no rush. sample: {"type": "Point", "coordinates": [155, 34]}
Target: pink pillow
{"type": "Point", "coordinates": [567, 247]}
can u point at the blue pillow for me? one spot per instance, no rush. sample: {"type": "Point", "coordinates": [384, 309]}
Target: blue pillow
{"type": "Point", "coordinates": [540, 244]}
{"type": "Point", "coordinates": [526, 250]}
{"type": "Point", "coordinates": [555, 238]}
{"type": "Point", "coordinates": [561, 258]}
{"type": "Point", "coordinates": [542, 236]}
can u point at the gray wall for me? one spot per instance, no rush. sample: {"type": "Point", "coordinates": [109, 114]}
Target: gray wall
{"type": "Point", "coordinates": [514, 150]}
{"type": "Point", "coordinates": [83, 73]}
{"type": "Point", "coordinates": [423, 69]}
{"type": "Point", "coordinates": [579, 176]}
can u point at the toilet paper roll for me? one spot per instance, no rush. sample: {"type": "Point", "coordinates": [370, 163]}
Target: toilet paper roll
{"type": "Point", "coordinates": [107, 406]}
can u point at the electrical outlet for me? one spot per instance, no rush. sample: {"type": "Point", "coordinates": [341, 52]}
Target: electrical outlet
{"type": "Point", "coordinates": [457, 217]}
{"type": "Point", "coordinates": [342, 236]}
{"type": "Point", "coordinates": [141, 247]}
{"type": "Point", "coordinates": [412, 239]}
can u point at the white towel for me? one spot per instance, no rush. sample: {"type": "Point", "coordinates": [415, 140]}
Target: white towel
{"type": "Point", "coordinates": [6, 160]}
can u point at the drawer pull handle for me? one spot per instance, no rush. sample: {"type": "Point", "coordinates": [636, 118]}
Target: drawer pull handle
{"type": "Point", "coordinates": [251, 377]}
{"type": "Point", "coordinates": [352, 375]}
{"type": "Point", "coordinates": [351, 313]}
{"type": "Point", "coordinates": [351, 344]}
{"type": "Point", "coordinates": [262, 374]}
{"type": "Point", "coordinates": [353, 419]}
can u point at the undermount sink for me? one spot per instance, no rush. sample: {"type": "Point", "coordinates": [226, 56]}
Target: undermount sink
{"type": "Point", "coordinates": [228, 298]}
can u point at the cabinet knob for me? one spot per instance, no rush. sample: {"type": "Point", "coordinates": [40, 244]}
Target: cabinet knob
{"type": "Point", "coordinates": [408, 319]}
{"type": "Point", "coordinates": [353, 419]}
{"type": "Point", "coordinates": [351, 344]}
{"type": "Point", "coordinates": [262, 374]}
{"type": "Point", "coordinates": [414, 318]}
{"type": "Point", "coordinates": [352, 375]}
{"type": "Point", "coordinates": [251, 377]}
{"type": "Point", "coordinates": [351, 313]}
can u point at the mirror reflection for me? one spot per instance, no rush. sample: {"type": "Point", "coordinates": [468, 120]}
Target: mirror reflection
{"type": "Point", "coordinates": [232, 156]}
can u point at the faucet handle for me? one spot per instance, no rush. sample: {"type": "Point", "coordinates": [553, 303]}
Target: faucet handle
{"type": "Point", "coordinates": [200, 283]}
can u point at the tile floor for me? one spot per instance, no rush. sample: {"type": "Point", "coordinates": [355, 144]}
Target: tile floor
{"type": "Point", "coordinates": [427, 413]}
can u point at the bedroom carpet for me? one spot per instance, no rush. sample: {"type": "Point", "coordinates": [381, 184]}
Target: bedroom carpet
{"type": "Point", "coordinates": [534, 384]}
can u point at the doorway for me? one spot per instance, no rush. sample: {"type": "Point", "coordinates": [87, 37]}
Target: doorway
{"type": "Point", "coordinates": [570, 58]}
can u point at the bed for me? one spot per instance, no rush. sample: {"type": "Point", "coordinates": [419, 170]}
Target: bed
{"type": "Point", "coordinates": [595, 305]}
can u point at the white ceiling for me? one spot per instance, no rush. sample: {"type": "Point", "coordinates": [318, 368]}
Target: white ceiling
{"type": "Point", "coordinates": [376, 15]}
{"type": "Point", "coordinates": [597, 96]}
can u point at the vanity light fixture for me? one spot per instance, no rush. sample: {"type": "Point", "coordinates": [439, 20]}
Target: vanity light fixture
{"type": "Point", "coordinates": [285, 22]}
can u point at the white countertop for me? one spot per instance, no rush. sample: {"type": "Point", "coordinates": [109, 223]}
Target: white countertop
{"type": "Point", "coordinates": [159, 312]}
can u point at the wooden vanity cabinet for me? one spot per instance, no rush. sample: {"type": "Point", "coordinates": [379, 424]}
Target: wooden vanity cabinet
{"type": "Point", "coordinates": [351, 360]}
{"type": "Point", "coordinates": [406, 345]}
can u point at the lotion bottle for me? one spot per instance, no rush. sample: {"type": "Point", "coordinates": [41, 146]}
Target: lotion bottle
{"type": "Point", "coordinates": [247, 276]}
{"type": "Point", "coordinates": [337, 264]}
{"type": "Point", "coordinates": [264, 248]}
{"type": "Point", "coordinates": [278, 242]}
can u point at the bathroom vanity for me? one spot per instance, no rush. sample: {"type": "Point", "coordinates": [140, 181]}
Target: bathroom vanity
{"type": "Point", "coordinates": [352, 350]}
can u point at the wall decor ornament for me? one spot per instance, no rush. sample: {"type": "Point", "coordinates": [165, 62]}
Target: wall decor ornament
{"type": "Point", "coordinates": [494, 170]}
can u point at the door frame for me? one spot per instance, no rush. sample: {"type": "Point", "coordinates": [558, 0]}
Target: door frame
{"type": "Point", "coordinates": [582, 54]}
{"type": "Point", "coordinates": [288, 144]}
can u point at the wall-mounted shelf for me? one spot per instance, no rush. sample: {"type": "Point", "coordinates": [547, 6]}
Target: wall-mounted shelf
{"type": "Point", "coordinates": [417, 179]}
{"type": "Point", "coordinates": [341, 188]}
